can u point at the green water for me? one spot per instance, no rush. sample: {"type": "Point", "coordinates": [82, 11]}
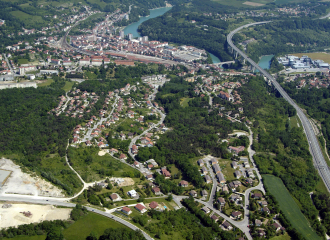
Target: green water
{"type": "Point", "coordinates": [132, 28]}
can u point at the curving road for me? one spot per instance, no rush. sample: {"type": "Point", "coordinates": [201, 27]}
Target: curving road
{"type": "Point", "coordinates": [315, 150]}
{"type": "Point", "coordinates": [71, 205]}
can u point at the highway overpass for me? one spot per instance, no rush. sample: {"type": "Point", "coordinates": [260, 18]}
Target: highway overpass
{"type": "Point", "coordinates": [315, 149]}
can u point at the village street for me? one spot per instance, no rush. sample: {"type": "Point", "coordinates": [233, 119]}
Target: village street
{"type": "Point", "coordinates": [89, 132]}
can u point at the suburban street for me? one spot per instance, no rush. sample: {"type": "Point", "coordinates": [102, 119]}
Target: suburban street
{"type": "Point", "coordinates": [141, 168]}
{"type": "Point", "coordinates": [315, 150]}
{"type": "Point", "coordinates": [89, 132]}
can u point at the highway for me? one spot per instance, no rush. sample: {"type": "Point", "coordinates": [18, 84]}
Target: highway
{"type": "Point", "coordinates": [315, 150]}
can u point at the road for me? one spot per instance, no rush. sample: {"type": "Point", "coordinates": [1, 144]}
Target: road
{"type": "Point", "coordinates": [142, 169]}
{"type": "Point", "coordinates": [33, 200]}
{"type": "Point", "coordinates": [315, 150]}
{"type": "Point", "coordinates": [90, 130]}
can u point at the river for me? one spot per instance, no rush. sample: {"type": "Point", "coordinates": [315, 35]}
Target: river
{"type": "Point", "coordinates": [132, 28]}
{"type": "Point", "coordinates": [264, 62]}
{"type": "Point", "coordinates": [215, 59]}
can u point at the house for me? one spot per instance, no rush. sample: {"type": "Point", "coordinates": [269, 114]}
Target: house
{"type": "Point", "coordinates": [123, 156]}
{"type": "Point", "coordinates": [261, 233]}
{"type": "Point", "coordinates": [263, 203]}
{"type": "Point", "coordinates": [204, 170]}
{"type": "Point", "coordinates": [136, 164]}
{"type": "Point", "coordinates": [249, 181]}
{"type": "Point", "coordinates": [236, 150]}
{"type": "Point", "coordinates": [225, 189]}
{"type": "Point", "coordinates": [214, 161]}
{"type": "Point", "coordinates": [226, 96]}
{"type": "Point", "coordinates": [257, 223]}
{"type": "Point", "coordinates": [204, 193]}
{"type": "Point", "coordinates": [221, 201]}
{"type": "Point", "coordinates": [236, 214]}
{"type": "Point", "coordinates": [114, 196]}
{"type": "Point", "coordinates": [216, 168]}
{"type": "Point", "coordinates": [208, 179]}
{"type": "Point", "coordinates": [166, 173]}
{"type": "Point", "coordinates": [132, 193]}
{"type": "Point", "coordinates": [265, 209]}
{"type": "Point", "coordinates": [206, 209]}
{"type": "Point", "coordinates": [234, 197]}
{"type": "Point", "coordinates": [234, 165]}
{"type": "Point", "coordinates": [238, 174]}
{"type": "Point", "coordinates": [126, 210]}
{"type": "Point", "coordinates": [200, 162]}
{"type": "Point", "coordinates": [183, 183]}
{"type": "Point", "coordinates": [233, 185]}
{"type": "Point", "coordinates": [193, 193]}
{"type": "Point", "coordinates": [215, 217]}
{"type": "Point", "coordinates": [227, 225]}
{"type": "Point", "coordinates": [153, 205]}
{"type": "Point", "coordinates": [140, 208]}
{"type": "Point", "coordinates": [221, 178]}
{"type": "Point", "coordinates": [276, 226]}
{"type": "Point", "coordinates": [256, 195]}
{"type": "Point", "coordinates": [156, 191]}
{"type": "Point", "coordinates": [149, 177]}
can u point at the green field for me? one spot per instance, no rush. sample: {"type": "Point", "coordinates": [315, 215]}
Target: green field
{"type": "Point", "coordinates": [38, 237]}
{"type": "Point", "coordinates": [92, 222]}
{"type": "Point", "coordinates": [23, 61]}
{"type": "Point", "coordinates": [289, 206]}
{"type": "Point", "coordinates": [45, 83]}
{"type": "Point", "coordinates": [81, 228]}
{"type": "Point", "coordinates": [254, 3]}
{"type": "Point", "coordinates": [282, 237]}
{"type": "Point", "coordinates": [26, 17]}
{"type": "Point", "coordinates": [68, 85]}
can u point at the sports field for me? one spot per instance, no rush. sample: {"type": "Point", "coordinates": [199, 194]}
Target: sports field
{"type": "Point", "coordinates": [289, 206]}
{"type": "Point", "coordinates": [315, 56]}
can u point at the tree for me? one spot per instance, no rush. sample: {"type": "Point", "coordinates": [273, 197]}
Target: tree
{"type": "Point", "coordinates": [55, 234]}
{"type": "Point", "coordinates": [169, 198]}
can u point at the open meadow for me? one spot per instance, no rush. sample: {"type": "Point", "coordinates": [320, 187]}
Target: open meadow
{"type": "Point", "coordinates": [289, 206]}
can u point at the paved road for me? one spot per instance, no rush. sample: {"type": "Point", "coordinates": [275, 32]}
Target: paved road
{"type": "Point", "coordinates": [315, 150]}
{"type": "Point", "coordinates": [90, 130]}
{"type": "Point", "coordinates": [71, 205]}
{"type": "Point", "coordinates": [142, 169]}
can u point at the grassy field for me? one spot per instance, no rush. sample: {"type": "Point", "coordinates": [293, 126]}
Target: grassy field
{"type": "Point", "coordinates": [184, 101]}
{"type": "Point", "coordinates": [282, 237]}
{"type": "Point", "coordinates": [45, 83]}
{"type": "Point", "coordinates": [91, 222]}
{"type": "Point", "coordinates": [318, 55]}
{"type": "Point", "coordinates": [23, 61]}
{"type": "Point", "coordinates": [38, 237]}
{"type": "Point", "coordinates": [68, 85]}
{"type": "Point", "coordinates": [289, 206]}
{"type": "Point", "coordinates": [26, 17]}
{"type": "Point", "coordinates": [295, 122]}
{"type": "Point", "coordinates": [91, 171]}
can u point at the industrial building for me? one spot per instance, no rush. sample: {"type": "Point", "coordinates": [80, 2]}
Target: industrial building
{"type": "Point", "coordinates": [302, 62]}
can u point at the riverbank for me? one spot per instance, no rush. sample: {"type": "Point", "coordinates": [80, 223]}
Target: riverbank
{"type": "Point", "coordinates": [133, 27]}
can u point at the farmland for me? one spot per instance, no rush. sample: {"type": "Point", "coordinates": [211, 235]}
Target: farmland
{"type": "Point", "coordinates": [289, 206]}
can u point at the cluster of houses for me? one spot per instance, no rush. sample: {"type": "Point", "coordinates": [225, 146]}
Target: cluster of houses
{"type": "Point", "coordinates": [310, 80]}
{"type": "Point", "coordinates": [216, 168]}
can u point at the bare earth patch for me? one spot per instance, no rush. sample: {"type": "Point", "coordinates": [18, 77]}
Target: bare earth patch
{"type": "Point", "coordinates": [253, 4]}
{"type": "Point", "coordinates": [102, 153]}
{"type": "Point", "coordinates": [13, 216]}
{"type": "Point", "coordinates": [24, 183]}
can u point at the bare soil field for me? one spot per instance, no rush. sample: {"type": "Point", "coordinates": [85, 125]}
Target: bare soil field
{"type": "Point", "coordinates": [14, 216]}
{"type": "Point", "coordinates": [24, 183]}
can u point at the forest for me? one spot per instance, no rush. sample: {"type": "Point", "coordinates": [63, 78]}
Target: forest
{"type": "Point", "coordinates": [282, 148]}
